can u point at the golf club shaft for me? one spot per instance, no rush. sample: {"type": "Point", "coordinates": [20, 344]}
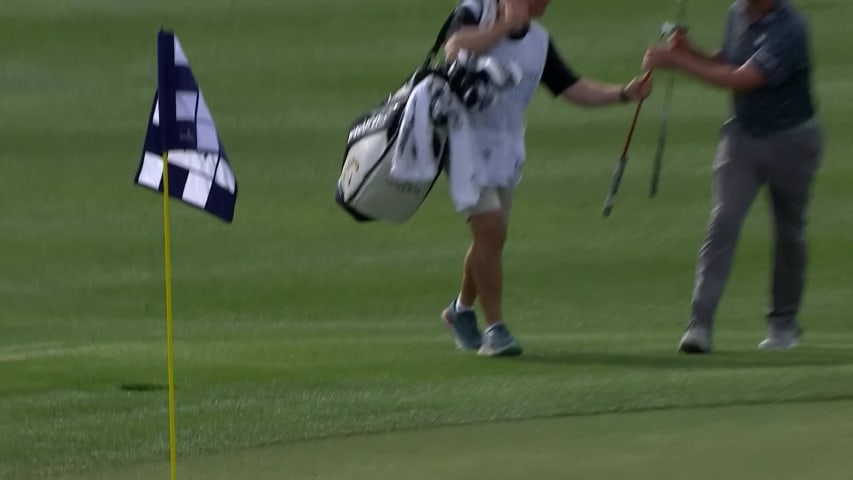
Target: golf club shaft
{"type": "Point", "coordinates": [634, 121]}
{"type": "Point", "coordinates": [664, 125]}
{"type": "Point", "coordinates": [623, 160]}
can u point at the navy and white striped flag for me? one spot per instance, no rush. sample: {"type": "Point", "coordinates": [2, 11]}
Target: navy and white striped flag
{"type": "Point", "coordinates": [181, 125]}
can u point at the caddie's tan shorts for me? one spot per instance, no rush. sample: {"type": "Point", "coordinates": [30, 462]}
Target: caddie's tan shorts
{"type": "Point", "coordinates": [491, 200]}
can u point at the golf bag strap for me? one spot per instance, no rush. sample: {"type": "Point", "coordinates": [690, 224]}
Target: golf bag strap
{"type": "Point", "coordinates": [441, 38]}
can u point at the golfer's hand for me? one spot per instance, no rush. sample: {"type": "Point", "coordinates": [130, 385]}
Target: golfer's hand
{"type": "Point", "coordinates": [639, 88]}
{"type": "Point", "coordinates": [515, 14]}
{"type": "Point", "coordinates": [660, 57]}
{"type": "Point", "coordinates": [679, 40]}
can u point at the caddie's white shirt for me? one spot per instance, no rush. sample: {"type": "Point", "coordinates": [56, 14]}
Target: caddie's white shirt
{"type": "Point", "coordinates": [500, 129]}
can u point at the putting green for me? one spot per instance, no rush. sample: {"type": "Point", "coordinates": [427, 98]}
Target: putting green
{"type": "Point", "coordinates": [791, 441]}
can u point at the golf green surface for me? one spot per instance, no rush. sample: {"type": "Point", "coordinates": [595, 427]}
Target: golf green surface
{"type": "Point", "coordinates": [309, 346]}
{"type": "Point", "coordinates": [780, 441]}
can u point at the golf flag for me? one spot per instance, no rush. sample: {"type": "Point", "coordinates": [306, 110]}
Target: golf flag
{"type": "Point", "coordinates": [181, 129]}
{"type": "Point", "coordinates": [182, 158]}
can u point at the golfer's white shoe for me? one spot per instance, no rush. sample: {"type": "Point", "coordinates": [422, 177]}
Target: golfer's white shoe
{"type": "Point", "coordinates": [696, 340]}
{"type": "Point", "coordinates": [781, 338]}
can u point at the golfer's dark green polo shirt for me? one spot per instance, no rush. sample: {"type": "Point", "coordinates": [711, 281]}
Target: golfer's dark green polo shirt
{"type": "Point", "coordinates": [778, 45]}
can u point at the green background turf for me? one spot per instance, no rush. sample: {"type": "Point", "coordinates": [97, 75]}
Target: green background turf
{"type": "Point", "coordinates": [296, 323]}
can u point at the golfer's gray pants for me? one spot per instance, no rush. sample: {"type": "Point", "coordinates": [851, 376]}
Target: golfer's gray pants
{"type": "Point", "coordinates": [786, 162]}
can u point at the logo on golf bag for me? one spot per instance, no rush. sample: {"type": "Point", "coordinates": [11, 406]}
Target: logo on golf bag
{"type": "Point", "coordinates": [350, 168]}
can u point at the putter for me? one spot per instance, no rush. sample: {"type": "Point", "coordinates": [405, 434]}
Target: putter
{"type": "Point", "coordinates": [667, 29]}
{"type": "Point", "coordinates": [623, 160]}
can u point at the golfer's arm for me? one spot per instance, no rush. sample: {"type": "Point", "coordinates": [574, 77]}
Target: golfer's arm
{"type": "Point", "coordinates": [745, 77]}
{"type": "Point", "coordinates": [716, 57]}
{"type": "Point", "coordinates": [589, 93]}
{"type": "Point", "coordinates": [475, 39]}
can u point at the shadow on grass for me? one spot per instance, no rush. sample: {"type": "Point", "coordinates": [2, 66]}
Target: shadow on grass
{"type": "Point", "coordinates": [804, 357]}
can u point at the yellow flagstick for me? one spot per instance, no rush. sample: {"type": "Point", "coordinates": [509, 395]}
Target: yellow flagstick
{"type": "Point", "coordinates": [169, 342]}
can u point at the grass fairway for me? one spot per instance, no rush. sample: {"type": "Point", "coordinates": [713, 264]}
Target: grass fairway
{"type": "Point", "coordinates": [297, 330]}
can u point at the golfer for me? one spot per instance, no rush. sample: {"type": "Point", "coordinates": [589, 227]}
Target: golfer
{"type": "Point", "coordinates": [500, 132]}
{"type": "Point", "coordinates": [772, 139]}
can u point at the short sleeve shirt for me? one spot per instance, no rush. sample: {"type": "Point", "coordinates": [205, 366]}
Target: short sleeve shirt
{"type": "Point", "coordinates": [776, 44]}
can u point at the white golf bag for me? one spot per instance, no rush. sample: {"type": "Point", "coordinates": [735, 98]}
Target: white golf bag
{"type": "Point", "coordinates": [365, 187]}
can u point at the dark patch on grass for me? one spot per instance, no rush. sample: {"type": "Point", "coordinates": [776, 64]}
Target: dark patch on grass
{"type": "Point", "coordinates": [143, 387]}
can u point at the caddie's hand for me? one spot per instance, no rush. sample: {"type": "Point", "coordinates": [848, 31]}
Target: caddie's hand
{"type": "Point", "coordinates": [515, 14]}
{"type": "Point", "coordinates": [639, 88]}
{"type": "Point", "coordinates": [660, 57]}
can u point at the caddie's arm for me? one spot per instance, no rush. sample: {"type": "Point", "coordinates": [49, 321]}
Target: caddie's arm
{"type": "Point", "coordinates": [475, 39]}
{"type": "Point", "coordinates": [562, 81]}
{"type": "Point", "coordinates": [590, 93]}
{"type": "Point", "coordinates": [470, 36]}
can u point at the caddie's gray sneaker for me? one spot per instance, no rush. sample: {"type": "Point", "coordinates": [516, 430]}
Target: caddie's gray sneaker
{"type": "Point", "coordinates": [499, 343]}
{"type": "Point", "coordinates": [696, 340]}
{"type": "Point", "coordinates": [463, 326]}
{"type": "Point", "coordinates": [781, 338]}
